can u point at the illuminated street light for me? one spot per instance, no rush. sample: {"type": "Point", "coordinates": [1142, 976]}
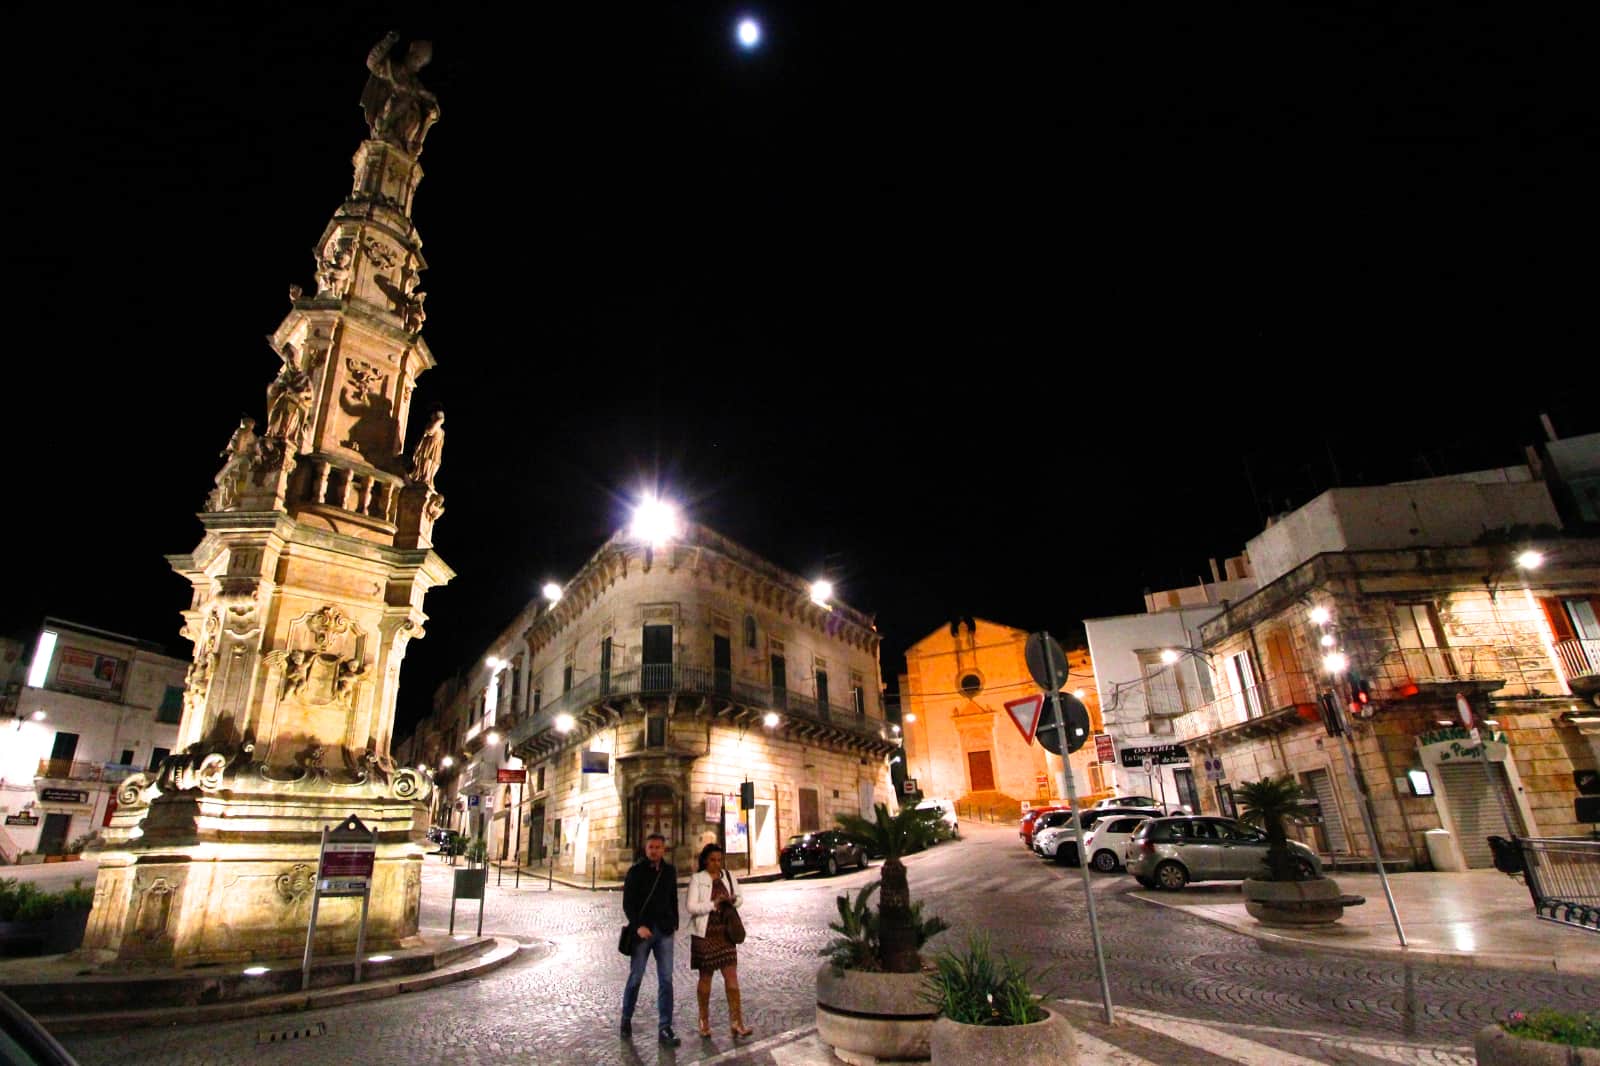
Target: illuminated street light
{"type": "Point", "coordinates": [565, 723]}
{"type": "Point", "coordinates": [1530, 559]}
{"type": "Point", "coordinates": [1320, 616]}
{"type": "Point", "coordinates": [1169, 656]}
{"type": "Point", "coordinates": [446, 762]}
{"type": "Point", "coordinates": [495, 663]}
{"type": "Point", "coordinates": [910, 717]}
{"type": "Point", "coordinates": [256, 971]}
{"type": "Point", "coordinates": [749, 33]}
{"type": "Point", "coordinates": [770, 719]}
{"type": "Point", "coordinates": [39, 716]}
{"type": "Point", "coordinates": [1079, 693]}
{"type": "Point", "coordinates": [1328, 641]}
{"type": "Point", "coordinates": [492, 737]}
{"type": "Point", "coordinates": [552, 592]}
{"type": "Point", "coordinates": [821, 593]}
{"type": "Point", "coordinates": [1335, 662]}
{"type": "Point", "coordinates": [655, 522]}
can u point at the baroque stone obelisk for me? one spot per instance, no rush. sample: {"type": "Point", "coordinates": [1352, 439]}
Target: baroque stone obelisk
{"type": "Point", "coordinates": [307, 584]}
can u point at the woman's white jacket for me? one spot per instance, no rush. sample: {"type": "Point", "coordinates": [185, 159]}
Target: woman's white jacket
{"type": "Point", "coordinates": [699, 903]}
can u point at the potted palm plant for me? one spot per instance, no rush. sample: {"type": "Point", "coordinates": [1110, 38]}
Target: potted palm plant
{"type": "Point", "coordinates": [1290, 890]}
{"type": "Point", "coordinates": [990, 1013]}
{"type": "Point", "coordinates": [871, 993]}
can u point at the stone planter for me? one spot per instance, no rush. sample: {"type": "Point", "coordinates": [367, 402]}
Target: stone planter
{"type": "Point", "coordinates": [1046, 1042]}
{"type": "Point", "coordinates": [1294, 902]}
{"type": "Point", "coordinates": [1496, 1047]}
{"type": "Point", "coordinates": [29, 860]}
{"type": "Point", "coordinates": [867, 1018]}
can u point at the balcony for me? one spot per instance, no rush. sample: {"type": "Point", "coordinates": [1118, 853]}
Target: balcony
{"type": "Point", "coordinates": [600, 698]}
{"type": "Point", "coordinates": [1273, 704]}
{"type": "Point", "coordinates": [1579, 658]}
{"type": "Point", "coordinates": [79, 770]}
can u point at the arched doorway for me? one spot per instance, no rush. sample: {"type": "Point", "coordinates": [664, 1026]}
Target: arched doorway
{"type": "Point", "coordinates": [658, 813]}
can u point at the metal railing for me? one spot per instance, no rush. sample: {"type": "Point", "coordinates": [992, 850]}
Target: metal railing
{"type": "Point", "coordinates": [1564, 880]}
{"type": "Point", "coordinates": [80, 770]}
{"type": "Point", "coordinates": [1579, 657]}
{"type": "Point", "coordinates": [702, 680]}
{"type": "Point", "coordinates": [1269, 694]}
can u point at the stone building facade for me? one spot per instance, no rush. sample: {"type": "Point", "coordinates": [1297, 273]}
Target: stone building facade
{"type": "Point", "coordinates": [1425, 596]}
{"type": "Point", "coordinates": [960, 742]}
{"type": "Point", "coordinates": [639, 702]}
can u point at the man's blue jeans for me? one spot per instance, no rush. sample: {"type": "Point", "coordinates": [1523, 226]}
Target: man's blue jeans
{"type": "Point", "coordinates": [661, 947]}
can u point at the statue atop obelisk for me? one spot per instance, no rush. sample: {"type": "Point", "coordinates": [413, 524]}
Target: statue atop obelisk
{"type": "Point", "coordinates": [307, 584]}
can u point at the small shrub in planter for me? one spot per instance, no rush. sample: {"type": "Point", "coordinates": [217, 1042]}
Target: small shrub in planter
{"type": "Point", "coordinates": [991, 1013]}
{"type": "Point", "coordinates": [1541, 1038]}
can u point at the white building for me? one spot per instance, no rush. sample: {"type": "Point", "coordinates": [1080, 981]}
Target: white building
{"type": "Point", "coordinates": [89, 709]}
{"type": "Point", "coordinates": [1147, 674]}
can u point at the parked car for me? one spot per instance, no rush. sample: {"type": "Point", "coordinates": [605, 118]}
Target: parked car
{"type": "Point", "coordinates": [1051, 819]}
{"type": "Point", "coordinates": [1168, 853]}
{"type": "Point", "coordinates": [1155, 808]}
{"type": "Point", "coordinates": [947, 811]}
{"type": "Point", "coordinates": [24, 1042]}
{"type": "Point", "coordinates": [1030, 821]}
{"type": "Point", "coordinates": [1106, 839]}
{"type": "Point", "coordinates": [828, 851]}
{"type": "Point", "coordinates": [445, 838]}
{"type": "Point", "coordinates": [1060, 842]}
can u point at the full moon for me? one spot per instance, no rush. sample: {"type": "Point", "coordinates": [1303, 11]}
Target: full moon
{"type": "Point", "coordinates": [749, 32]}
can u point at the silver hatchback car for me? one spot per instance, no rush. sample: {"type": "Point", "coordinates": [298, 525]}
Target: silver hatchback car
{"type": "Point", "coordinates": [1170, 852]}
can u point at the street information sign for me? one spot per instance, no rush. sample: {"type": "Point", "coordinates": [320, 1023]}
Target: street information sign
{"type": "Point", "coordinates": [344, 868]}
{"type": "Point", "coordinates": [1104, 749]}
{"type": "Point", "coordinates": [510, 777]}
{"type": "Point", "coordinates": [1025, 715]}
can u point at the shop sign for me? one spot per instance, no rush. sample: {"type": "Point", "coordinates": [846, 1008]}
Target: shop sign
{"type": "Point", "coordinates": [63, 795]}
{"type": "Point", "coordinates": [1458, 743]}
{"type": "Point", "coordinates": [22, 819]}
{"type": "Point", "coordinates": [1159, 754]}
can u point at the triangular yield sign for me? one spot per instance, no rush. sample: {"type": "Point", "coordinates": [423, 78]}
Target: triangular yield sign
{"type": "Point", "coordinates": [1025, 715]}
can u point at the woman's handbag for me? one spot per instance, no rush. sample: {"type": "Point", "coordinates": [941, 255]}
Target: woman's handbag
{"type": "Point", "coordinates": [628, 941]}
{"type": "Point", "coordinates": [732, 924]}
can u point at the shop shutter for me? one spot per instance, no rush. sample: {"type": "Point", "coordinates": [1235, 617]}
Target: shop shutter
{"type": "Point", "coordinates": [1473, 809]}
{"type": "Point", "coordinates": [1332, 824]}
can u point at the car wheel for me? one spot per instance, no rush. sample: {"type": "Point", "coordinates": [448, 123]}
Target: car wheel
{"type": "Point", "coordinates": [1304, 870]}
{"type": "Point", "coordinates": [1145, 881]}
{"type": "Point", "coordinates": [1067, 854]}
{"type": "Point", "coordinates": [787, 871]}
{"type": "Point", "coordinates": [1171, 876]}
{"type": "Point", "coordinates": [1105, 861]}
{"type": "Point", "coordinates": [861, 859]}
{"type": "Point", "coordinates": [833, 865]}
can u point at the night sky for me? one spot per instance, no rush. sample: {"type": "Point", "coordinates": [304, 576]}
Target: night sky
{"type": "Point", "coordinates": [984, 310]}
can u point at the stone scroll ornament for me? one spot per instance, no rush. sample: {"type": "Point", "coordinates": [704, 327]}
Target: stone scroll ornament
{"type": "Point", "coordinates": [399, 110]}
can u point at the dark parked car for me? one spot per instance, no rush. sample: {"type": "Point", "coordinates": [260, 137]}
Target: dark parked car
{"type": "Point", "coordinates": [827, 850]}
{"type": "Point", "coordinates": [445, 838]}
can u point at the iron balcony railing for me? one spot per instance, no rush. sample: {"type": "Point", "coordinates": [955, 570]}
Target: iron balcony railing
{"type": "Point", "coordinates": [1564, 880]}
{"type": "Point", "coordinates": [1579, 657]}
{"type": "Point", "coordinates": [80, 770]}
{"type": "Point", "coordinates": [1268, 695]}
{"type": "Point", "coordinates": [701, 680]}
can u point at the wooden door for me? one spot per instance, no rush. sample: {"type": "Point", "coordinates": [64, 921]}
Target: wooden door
{"type": "Point", "coordinates": [810, 821]}
{"type": "Point", "coordinates": [658, 810]}
{"type": "Point", "coordinates": [980, 768]}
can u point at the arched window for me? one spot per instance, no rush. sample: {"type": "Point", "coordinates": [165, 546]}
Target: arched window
{"type": "Point", "coordinates": [749, 630]}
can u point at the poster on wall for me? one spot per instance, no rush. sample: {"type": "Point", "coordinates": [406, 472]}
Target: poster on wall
{"type": "Point", "coordinates": [713, 808]}
{"type": "Point", "coordinates": [90, 673]}
{"type": "Point", "coordinates": [735, 839]}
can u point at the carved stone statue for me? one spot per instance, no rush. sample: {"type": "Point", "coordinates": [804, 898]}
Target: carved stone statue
{"type": "Point", "coordinates": [425, 460]}
{"type": "Point", "coordinates": [236, 457]}
{"type": "Point", "coordinates": [288, 404]}
{"type": "Point", "coordinates": [333, 269]}
{"type": "Point", "coordinates": [296, 671]}
{"type": "Point", "coordinates": [415, 315]}
{"type": "Point", "coordinates": [399, 110]}
{"type": "Point", "coordinates": [349, 674]}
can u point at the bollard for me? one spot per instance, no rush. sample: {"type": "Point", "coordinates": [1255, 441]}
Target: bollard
{"type": "Point", "coordinates": [592, 870]}
{"type": "Point", "coordinates": [550, 885]}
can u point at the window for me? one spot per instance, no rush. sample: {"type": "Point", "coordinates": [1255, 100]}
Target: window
{"type": "Point", "coordinates": [1165, 693]}
{"type": "Point", "coordinates": [538, 779]}
{"type": "Point", "coordinates": [171, 708]}
{"type": "Point", "coordinates": [749, 631]}
{"type": "Point", "coordinates": [822, 691]}
{"type": "Point", "coordinates": [1242, 675]}
{"type": "Point", "coordinates": [126, 758]}
{"type": "Point", "coordinates": [1422, 642]}
{"type": "Point", "coordinates": [655, 732]}
{"type": "Point", "coordinates": [605, 666]}
{"type": "Point", "coordinates": [157, 756]}
{"type": "Point", "coordinates": [566, 675]}
{"type": "Point", "coordinates": [970, 685]}
{"type": "Point", "coordinates": [858, 698]}
{"type": "Point", "coordinates": [538, 699]}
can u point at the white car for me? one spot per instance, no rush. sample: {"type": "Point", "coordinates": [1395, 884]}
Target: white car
{"type": "Point", "coordinates": [1106, 839]}
{"type": "Point", "coordinates": [1060, 842]}
{"type": "Point", "coordinates": [947, 811]}
{"type": "Point", "coordinates": [1157, 810]}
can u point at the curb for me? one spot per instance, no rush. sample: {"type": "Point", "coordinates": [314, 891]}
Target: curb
{"type": "Point", "coordinates": [505, 948]}
{"type": "Point", "coordinates": [1276, 941]}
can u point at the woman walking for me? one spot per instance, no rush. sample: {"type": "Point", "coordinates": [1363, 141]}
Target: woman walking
{"type": "Point", "coordinates": [713, 900]}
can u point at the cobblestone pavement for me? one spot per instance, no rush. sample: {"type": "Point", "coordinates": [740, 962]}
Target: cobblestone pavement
{"type": "Point", "coordinates": [1279, 1006]}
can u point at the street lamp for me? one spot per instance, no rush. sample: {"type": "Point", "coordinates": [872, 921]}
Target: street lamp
{"type": "Point", "coordinates": [1530, 559]}
{"type": "Point", "coordinates": [771, 720]}
{"type": "Point", "coordinates": [1320, 616]}
{"type": "Point", "coordinates": [446, 762]}
{"type": "Point", "coordinates": [910, 717]}
{"type": "Point", "coordinates": [552, 592]}
{"type": "Point", "coordinates": [1168, 656]}
{"type": "Point", "coordinates": [821, 593]}
{"type": "Point", "coordinates": [492, 737]}
{"type": "Point", "coordinates": [565, 723]}
{"type": "Point", "coordinates": [1335, 662]}
{"type": "Point", "coordinates": [655, 522]}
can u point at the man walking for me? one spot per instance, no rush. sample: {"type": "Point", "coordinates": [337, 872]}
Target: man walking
{"type": "Point", "coordinates": [650, 901]}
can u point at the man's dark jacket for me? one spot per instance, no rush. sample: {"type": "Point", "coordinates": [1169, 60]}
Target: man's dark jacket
{"type": "Point", "coordinates": [661, 915]}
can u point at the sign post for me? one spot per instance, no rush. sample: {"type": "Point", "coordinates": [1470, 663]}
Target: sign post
{"type": "Point", "coordinates": [1049, 670]}
{"type": "Point", "coordinates": [344, 868]}
{"type": "Point", "coordinates": [1336, 726]}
